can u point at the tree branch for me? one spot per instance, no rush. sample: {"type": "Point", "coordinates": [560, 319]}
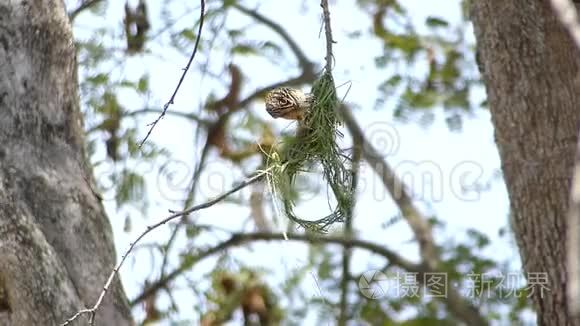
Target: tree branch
{"type": "Point", "coordinates": [238, 239]}
{"type": "Point", "coordinates": [86, 4]}
{"type": "Point", "coordinates": [189, 116]}
{"type": "Point", "coordinates": [417, 221]}
{"type": "Point", "coordinates": [419, 224]}
{"type": "Point", "coordinates": [396, 188]}
{"type": "Point", "coordinates": [462, 309]}
{"type": "Point", "coordinates": [172, 98]}
{"type": "Point", "coordinates": [188, 201]}
{"type": "Point", "coordinates": [303, 61]}
{"type": "Point", "coordinates": [343, 311]}
{"type": "Point", "coordinates": [348, 233]}
{"type": "Point", "coordinates": [307, 74]}
{"type": "Point", "coordinates": [328, 34]}
{"type": "Point", "coordinates": [92, 311]}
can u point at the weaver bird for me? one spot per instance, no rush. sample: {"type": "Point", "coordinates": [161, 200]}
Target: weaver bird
{"type": "Point", "coordinates": [288, 103]}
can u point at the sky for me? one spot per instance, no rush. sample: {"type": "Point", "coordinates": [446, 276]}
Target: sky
{"type": "Point", "coordinates": [456, 161]}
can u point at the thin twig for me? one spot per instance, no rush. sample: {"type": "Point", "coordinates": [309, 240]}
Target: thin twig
{"type": "Point", "coordinates": [348, 233]}
{"type": "Point", "coordinates": [188, 201]}
{"type": "Point", "coordinates": [171, 100]}
{"type": "Point", "coordinates": [152, 227]}
{"type": "Point", "coordinates": [184, 115]}
{"type": "Point", "coordinates": [86, 4]}
{"type": "Point", "coordinates": [328, 34]}
{"type": "Point", "coordinates": [189, 116]}
{"type": "Point", "coordinates": [307, 75]}
{"type": "Point", "coordinates": [347, 251]}
{"type": "Point", "coordinates": [307, 67]}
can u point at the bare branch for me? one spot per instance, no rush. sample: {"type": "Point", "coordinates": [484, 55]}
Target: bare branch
{"type": "Point", "coordinates": [171, 100]}
{"type": "Point", "coordinates": [454, 301]}
{"type": "Point", "coordinates": [86, 4]}
{"type": "Point", "coordinates": [328, 34]}
{"type": "Point", "coordinates": [92, 311]}
{"type": "Point", "coordinates": [307, 75]}
{"type": "Point", "coordinates": [189, 116]}
{"type": "Point", "coordinates": [417, 221]}
{"type": "Point", "coordinates": [303, 61]}
{"type": "Point", "coordinates": [307, 68]}
{"type": "Point", "coordinates": [239, 239]}
{"type": "Point", "coordinates": [190, 198]}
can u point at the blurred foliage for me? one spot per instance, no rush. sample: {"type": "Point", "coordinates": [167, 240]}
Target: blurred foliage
{"type": "Point", "coordinates": [428, 68]}
{"type": "Point", "coordinates": [429, 65]}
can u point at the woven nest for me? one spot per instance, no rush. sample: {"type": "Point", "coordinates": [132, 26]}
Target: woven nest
{"type": "Point", "coordinates": [314, 146]}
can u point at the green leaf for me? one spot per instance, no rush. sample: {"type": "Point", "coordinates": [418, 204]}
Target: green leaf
{"type": "Point", "coordinates": [233, 33]}
{"type": "Point", "coordinates": [143, 84]}
{"type": "Point", "coordinates": [481, 240]}
{"type": "Point", "coordinates": [436, 22]}
{"type": "Point", "coordinates": [98, 79]}
{"type": "Point", "coordinates": [244, 49]}
{"type": "Point", "coordinates": [409, 44]}
{"type": "Point", "coordinates": [131, 188]}
{"type": "Point", "coordinates": [276, 50]}
{"type": "Point", "coordinates": [110, 105]}
{"type": "Point", "coordinates": [99, 8]}
{"type": "Point", "coordinates": [381, 61]}
{"type": "Point", "coordinates": [421, 100]}
{"type": "Point", "coordinates": [127, 83]}
{"type": "Point", "coordinates": [188, 34]}
{"type": "Point", "coordinates": [229, 3]}
{"type": "Point", "coordinates": [389, 86]}
{"type": "Point", "coordinates": [192, 231]}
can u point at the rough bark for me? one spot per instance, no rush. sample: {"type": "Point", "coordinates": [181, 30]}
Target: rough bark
{"type": "Point", "coordinates": [56, 247]}
{"type": "Point", "coordinates": [530, 68]}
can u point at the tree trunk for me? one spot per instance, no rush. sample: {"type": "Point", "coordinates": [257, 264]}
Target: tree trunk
{"type": "Point", "coordinates": [530, 68]}
{"type": "Point", "coordinates": [56, 246]}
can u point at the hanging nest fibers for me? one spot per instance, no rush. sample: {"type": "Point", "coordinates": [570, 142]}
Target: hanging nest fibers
{"type": "Point", "coordinates": [314, 145]}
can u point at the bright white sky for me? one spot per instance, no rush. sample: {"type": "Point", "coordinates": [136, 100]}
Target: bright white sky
{"type": "Point", "coordinates": [459, 158]}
